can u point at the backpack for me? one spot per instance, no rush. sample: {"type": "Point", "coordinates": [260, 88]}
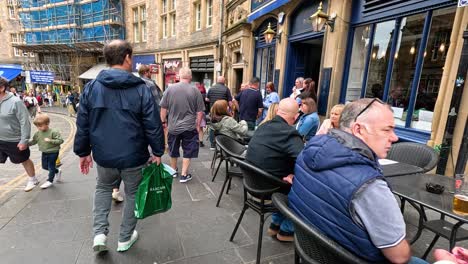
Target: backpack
{"type": "Point", "coordinates": [28, 104]}
{"type": "Point", "coordinates": [39, 100]}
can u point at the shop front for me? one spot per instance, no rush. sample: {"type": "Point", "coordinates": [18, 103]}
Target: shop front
{"type": "Point", "coordinates": [404, 54]}
{"type": "Point", "coordinates": [202, 70]}
{"type": "Point", "coordinates": [171, 71]}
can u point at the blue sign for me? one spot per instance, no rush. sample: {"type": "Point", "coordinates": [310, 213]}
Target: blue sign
{"type": "Point", "coordinates": [255, 4]}
{"type": "Point", "coordinates": [44, 77]}
{"type": "Point", "coordinates": [137, 60]}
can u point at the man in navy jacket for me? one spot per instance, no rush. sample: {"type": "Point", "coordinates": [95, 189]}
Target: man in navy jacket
{"type": "Point", "coordinates": [117, 120]}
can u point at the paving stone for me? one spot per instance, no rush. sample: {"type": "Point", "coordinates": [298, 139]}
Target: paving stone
{"type": "Point", "coordinates": [56, 253]}
{"type": "Point", "coordinates": [228, 256]}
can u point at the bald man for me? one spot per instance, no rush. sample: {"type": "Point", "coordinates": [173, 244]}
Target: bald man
{"type": "Point", "coordinates": [274, 148]}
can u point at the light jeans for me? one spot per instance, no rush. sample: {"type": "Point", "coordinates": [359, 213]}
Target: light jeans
{"type": "Point", "coordinates": [106, 181]}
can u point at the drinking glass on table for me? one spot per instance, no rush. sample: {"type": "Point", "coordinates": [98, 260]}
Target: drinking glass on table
{"type": "Point", "coordinates": [460, 197]}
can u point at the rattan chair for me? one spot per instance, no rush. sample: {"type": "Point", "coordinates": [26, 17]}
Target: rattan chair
{"type": "Point", "coordinates": [415, 154]}
{"type": "Point", "coordinates": [311, 245]}
{"type": "Point", "coordinates": [259, 185]}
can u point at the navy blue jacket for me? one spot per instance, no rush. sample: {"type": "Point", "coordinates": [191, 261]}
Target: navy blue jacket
{"type": "Point", "coordinates": [328, 173]}
{"type": "Point", "coordinates": [117, 120]}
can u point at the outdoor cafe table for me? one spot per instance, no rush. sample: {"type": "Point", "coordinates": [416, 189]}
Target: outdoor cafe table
{"type": "Point", "coordinates": [413, 189]}
{"type": "Point", "coordinates": [393, 168]}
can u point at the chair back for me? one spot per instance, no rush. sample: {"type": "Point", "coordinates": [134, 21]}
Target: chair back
{"type": "Point", "coordinates": [311, 244]}
{"type": "Point", "coordinates": [230, 147]}
{"type": "Point", "coordinates": [415, 154]}
{"type": "Point", "coordinates": [258, 182]}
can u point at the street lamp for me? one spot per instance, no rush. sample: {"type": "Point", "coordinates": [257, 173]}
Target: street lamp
{"type": "Point", "coordinates": [269, 34]}
{"type": "Point", "coordinates": [319, 19]}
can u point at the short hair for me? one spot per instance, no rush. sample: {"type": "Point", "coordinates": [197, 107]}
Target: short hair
{"type": "Point", "coordinates": [254, 80]}
{"type": "Point", "coordinates": [219, 110]}
{"type": "Point", "coordinates": [270, 85]}
{"type": "Point", "coordinates": [185, 73]}
{"type": "Point", "coordinates": [300, 79]}
{"type": "Point", "coordinates": [41, 119]}
{"type": "Point", "coordinates": [116, 51]}
{"type": "Point", "coordinates": [143, 69]}
{"type": "Point", "coordinates": [352, 110]}
{"type": "Point", "coordinates": [4, 83]}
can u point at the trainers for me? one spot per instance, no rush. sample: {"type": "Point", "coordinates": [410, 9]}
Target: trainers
{"type": "Point", "coordinates": [273, 229]}
{"type": "Point", "coordinates": [176, 174]}
{"type": "Point", "coordinates": [117, 196]}
{"type": "Point", "coordinates": [58, 176]}
{"type": "Point", "coordinates": [46, 185]}
{"type": "Point", "coordinates": [124, 246]}
{"type": "Point", "coordinates": [99, 243]}
{"type": "Point", "coordinates": [212, 148]}
{"type": "Point", "coordinates": [31, 184]}
{"type": "Point", "coordinates": [285, 236]}
{"type": "Point", "coordinates": [185, 178]}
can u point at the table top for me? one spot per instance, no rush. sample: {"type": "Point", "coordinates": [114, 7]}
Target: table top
{"type": "Point", "coordinates": [399, 169]}
{"type": "Point", "coordinates": [413, 188]}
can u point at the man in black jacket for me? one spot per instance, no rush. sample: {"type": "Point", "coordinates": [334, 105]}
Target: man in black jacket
{"type": "Point", "coordinates": [117, 121]}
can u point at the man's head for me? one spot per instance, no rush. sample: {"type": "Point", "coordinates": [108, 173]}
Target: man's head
{"type": "Point", "coordinates": [144, 71]}
{"type": "Point", "coordinates": [42, 122]}
{"type": "Point", "coordinates": [254, 82]}
{"type": "Point", "coordinates": [3, 85]}
{"type": "Point", "coordinates": [299, 82]}
{"type": "Point", "coordinates": [220, 79]}
{"type": "Point", "coordinates": [370, 120]}
{"type": "Point", "coordinates": [185, 74]}
{"type": "Point", "coordinates": [288, 110]}
{"type": "Point", "coordinates": [118, 54]}
{"type": "Point", "coordinates": [13, 90]}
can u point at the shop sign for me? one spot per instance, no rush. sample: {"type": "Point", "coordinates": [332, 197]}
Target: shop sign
{"type": "Point", "coordinates": [154, 68]}
{"type": "Point", "coordinates": [172, 66]}
{"type": "Point", "coordinates": [44, 77]}
{"type": "Point", "coordinates": [462, 3]}
{"type": "Point", "coordinates": [138, 60]}
{"type": "Point", "coordinates": [256, 4]}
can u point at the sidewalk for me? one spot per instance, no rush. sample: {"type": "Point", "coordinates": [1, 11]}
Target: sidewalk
{"type": "Point", "coordinates": [55, 225]}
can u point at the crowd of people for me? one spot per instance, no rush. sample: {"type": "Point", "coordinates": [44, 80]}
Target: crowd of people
{"type": "Point", "coordinates": [332, 168]}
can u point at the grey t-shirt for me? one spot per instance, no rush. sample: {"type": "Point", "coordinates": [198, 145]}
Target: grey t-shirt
{"type": "Point", "coordinates": [183, 101]}
{"type": "Point", "coordinates": [376, 209]}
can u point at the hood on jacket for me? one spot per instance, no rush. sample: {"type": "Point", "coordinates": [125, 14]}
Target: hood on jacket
{"type": "Point", "coordinates": [8, 96]}
{"type": "Point", "coordinates": [217, 125]}
{"type": "Point", "coordinates": [118, 79]}
{"type": "Point", "coordinates": [323, 152]}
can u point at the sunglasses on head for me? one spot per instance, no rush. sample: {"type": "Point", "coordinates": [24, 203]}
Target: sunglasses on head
{"type": "Point", "coordinates": [367, 107]}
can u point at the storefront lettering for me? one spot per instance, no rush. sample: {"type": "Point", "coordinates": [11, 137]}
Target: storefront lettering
{"type": "Point", "coordinates": [171, 64]}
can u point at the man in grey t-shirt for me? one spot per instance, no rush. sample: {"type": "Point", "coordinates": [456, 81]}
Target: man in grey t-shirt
{"type": "Point", "coordinates": [182, 109]}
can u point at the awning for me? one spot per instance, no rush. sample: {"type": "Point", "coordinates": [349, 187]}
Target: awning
{"type": "Point", "coordinates": [93, 72]}
{"type": "Point", "coordinates": [10, 71]}
{"type": "Point", "coordinates": [267, 8]}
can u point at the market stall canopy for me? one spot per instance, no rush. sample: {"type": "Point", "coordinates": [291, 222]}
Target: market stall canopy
{"type": "Point", "coordinates": [10, 71]}
{"type": "Point", "coordinates": [93, 72]}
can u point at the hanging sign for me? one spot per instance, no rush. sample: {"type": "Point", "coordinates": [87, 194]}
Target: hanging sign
{"type": "Point", "coordinates": [462, 3]}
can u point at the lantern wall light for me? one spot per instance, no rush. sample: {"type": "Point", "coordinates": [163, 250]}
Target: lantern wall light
{"type": "Point", "coordinates": [319, 19]}
{"type": "Point", "coordinates": [269, 34]}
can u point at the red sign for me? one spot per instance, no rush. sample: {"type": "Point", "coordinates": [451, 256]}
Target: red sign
{"type": "Point", "coordinates": [154, 68]}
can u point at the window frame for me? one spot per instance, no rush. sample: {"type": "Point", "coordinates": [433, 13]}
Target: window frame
{"type": "Point", "coordinates": [164, 26]}
{"type": "Point", "coordinates": [209, 13]}
{"type": "Point", "coordinates": [173, 24]}
{"type": "Point", "coordinates": [198, 16]}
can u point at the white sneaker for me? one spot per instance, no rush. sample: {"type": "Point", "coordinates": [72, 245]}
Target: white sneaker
{"type": "Point", "coordinates": [31, 184]}
{"type": "Point", "coordinates": [124, 246]}
{"type": "Point", "coordinates": [58, 176]}
{"type": "Point", "coordinates": [117, 196]}
{"type": "Point", "coordinates": [99, 243]}
{"type": "Point", "coordinates": [46, 185]}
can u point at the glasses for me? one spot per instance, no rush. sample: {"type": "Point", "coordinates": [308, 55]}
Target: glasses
{"type": "Point", "coordinates": [367, 107]}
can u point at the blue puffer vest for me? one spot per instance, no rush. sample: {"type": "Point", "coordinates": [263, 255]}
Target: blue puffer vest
{"type": "Point", "coordinates": [328, 173]}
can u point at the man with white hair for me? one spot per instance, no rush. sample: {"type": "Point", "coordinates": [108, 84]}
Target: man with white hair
{"type": "Point", "coordinates": [298, 88]}
{"type": "Point", "coordinates": [181, 112]}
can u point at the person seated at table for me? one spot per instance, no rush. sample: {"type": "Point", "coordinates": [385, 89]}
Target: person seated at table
{"type": "Point", "coordinates": [309, 122]}
{"type": "Point", "coordinates": [274, 148]}
{"type": "Point", "coordinates": [339, 187]}
{"type": "Point", "coordinates": [272, 111]}
{"type": "Point", "coordinates": [333, 121]}
{"type": "Point", "coordinates": [223, 123]}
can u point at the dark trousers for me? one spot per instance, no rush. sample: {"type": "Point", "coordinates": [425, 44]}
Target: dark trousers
{"type": "Point", "coordinates": [48, 163]}
{"type": "Point", "coordinates": [251, 125]}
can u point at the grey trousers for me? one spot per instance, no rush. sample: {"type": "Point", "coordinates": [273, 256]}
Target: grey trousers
{"type": "Point", "coordinates": [106, 180]}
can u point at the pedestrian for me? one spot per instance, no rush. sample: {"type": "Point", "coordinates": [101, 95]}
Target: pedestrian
{"type": "Point", "coordinates": [110, 105]}
{"type": "Point", "coordinates": [49, 141]}
{"type": "Point", "coordinates": [15, 130]}
{"type": "Point", "coordinates": [250, 103]}
{"type": "Point", "coordinates": [32, 104]}
{"type": "Point", "coordinates": [182, 108]}
{"type": "Point", "coordinates": [145, 74]}
{"type": "Point", "coordinates": [271, 98]}
{"type": "Point", "coordinates": [219, 91]}
{"type": "Point", "coordinates": [70, 101]}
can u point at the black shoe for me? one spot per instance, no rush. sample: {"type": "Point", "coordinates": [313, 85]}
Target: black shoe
{"type": "Point", "coordinates": [201, 144]}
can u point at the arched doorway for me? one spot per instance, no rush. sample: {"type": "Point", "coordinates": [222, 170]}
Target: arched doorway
{"type": "Point", "coordinates": [265, 54]}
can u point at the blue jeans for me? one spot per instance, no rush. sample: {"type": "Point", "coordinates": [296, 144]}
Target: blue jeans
{"type": "Point", "coordinates": [48, 163]}
{"type": "Point", "coordinates": [285, 224]}
{"type": "Point", "coordinates": [251, 125]}
{"type": "Point", "coordinates": [415, 260]}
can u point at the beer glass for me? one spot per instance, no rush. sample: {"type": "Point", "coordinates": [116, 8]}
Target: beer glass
{"type": "Point", "coordinates": [460, 198]}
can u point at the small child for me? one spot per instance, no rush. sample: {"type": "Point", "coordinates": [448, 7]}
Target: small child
{"type": "Point", "coordinates": [49, 141]}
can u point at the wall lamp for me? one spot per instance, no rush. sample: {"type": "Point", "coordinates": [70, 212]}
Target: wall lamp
{"type": "Point", "coordinates": [319, 19]}
{"type": "Point", "coordinates": [269, 34]}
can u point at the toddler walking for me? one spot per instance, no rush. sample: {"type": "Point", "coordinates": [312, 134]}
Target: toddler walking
{"type": "Point", "coordinates": [49, 141]}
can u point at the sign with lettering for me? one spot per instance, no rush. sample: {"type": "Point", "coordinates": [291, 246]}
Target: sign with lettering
{"type": "Point", "coordinates": [44, 77]}
{"type": "Point", "coordinates": [154, 68]}
{"type": "Point", "coordinates": [462, 3]}
{"type": "Point", "coordinates": [256, 4]}
{"type": "Point", "coordinates": [138, 60]}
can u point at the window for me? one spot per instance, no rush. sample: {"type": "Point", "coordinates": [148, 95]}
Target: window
{"type": "Point", "coordinates": [136, 30]}
{"type": "Point", "coordinates": [139, 24]}
{"type": "Point", "coordinates": [209, 13]}
{"type": "Point", "coordinates": [173, 4]}
{"type": "Point", "coordinates": [173, 24]}
{"type": "Point", "coordinates": [197, 16]}
{"type": "Point", "coordinates": [361, 44]}
{"type": "Point", "coordinates": [18, 38]}
{"type": "Point", "coordinates": [143, 24]}
{"type": "Point", "coordinates": [164, 26]}
{"type": "Point", "coordinates": [11, 12]}
{"type": "Point", "coordinates": [164, 6]}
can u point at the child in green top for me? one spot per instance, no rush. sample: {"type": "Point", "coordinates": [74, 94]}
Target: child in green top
{"type": "Point", "coordinates": [49, 141]}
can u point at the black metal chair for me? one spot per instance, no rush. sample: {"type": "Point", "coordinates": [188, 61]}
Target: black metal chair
{"type": "Point", "coordinates": [229, 148]}
{"type": "Point", "coordinates": [311, 245]}
{"type": "Point", "coordinates": [260, 185]}
{"type": "Point", "coordinates": [415, 154]}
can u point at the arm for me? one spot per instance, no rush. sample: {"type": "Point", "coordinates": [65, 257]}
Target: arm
{"type": "Point", "coordinates": [400, 253]}
{"type": "Point", "coordinates": [82, 144]}
{"type": "Point", "coordinates": [238, 128]}
{"type": "Point", "coordinates": [152, 125]}
{"type": "Point", "coordinates": [22, 115]}
{"type": "Point", "coordinates": [259, 105]}
{"type": "Point", "coordinates": [324, 127]}
{"type": "Point", "coordinates": [34, 140]}
{"type": "Point", "coordinates": [56, 138]}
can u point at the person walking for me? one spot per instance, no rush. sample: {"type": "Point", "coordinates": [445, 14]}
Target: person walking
{"type": "Point", "coordinates": [182, 108]}
{"type": "Point", "coordinates": [145, 74]}
{"type": "Point", "coordinates": [32, 104]}
{"type": "Point", "coordinates": [250, 103]}
{"type": "Point", "coordinates": [110, 105]}
{"type": "Point", "coordinates": [69, 102]}
{"type": "Point", "coordinates": [219, 91]}
{"type": "Point", "coordinates": [15, 130]}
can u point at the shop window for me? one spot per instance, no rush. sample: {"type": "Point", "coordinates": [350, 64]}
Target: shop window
{"type": "Point", "coordinates": [361, 44]}
{"type": "Point", "coordinates": [380, 53]}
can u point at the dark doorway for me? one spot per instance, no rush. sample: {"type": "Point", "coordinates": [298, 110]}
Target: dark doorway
{"type": "Point", "coordinates": [239, 76]}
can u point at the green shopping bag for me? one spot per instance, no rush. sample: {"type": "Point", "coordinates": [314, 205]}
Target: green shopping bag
{"type": "Point", "coordinates": [154, 192]}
